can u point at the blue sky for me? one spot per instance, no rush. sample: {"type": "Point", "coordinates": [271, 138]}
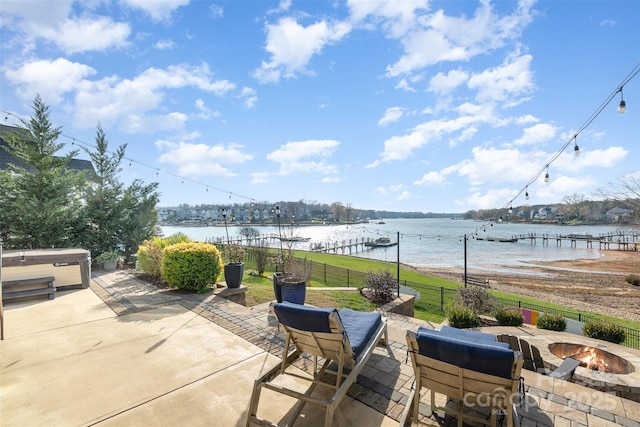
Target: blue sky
{"type": "Point", "coordinates": [432, 106]}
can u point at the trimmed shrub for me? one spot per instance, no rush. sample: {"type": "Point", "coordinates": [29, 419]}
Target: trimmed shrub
{"type": "Point", "coordinates": [382, 285]}
{"type": "Point", "coordinates": [151, 251]}
{"type": "Point", "coordinates": [633, 279]}
{"type": "Point", "coordinates": [509, 317]}
{"type": "Point", "coordinates": [192, 266]}
{"type": "Point", "coordinates": [462, 317]}
{"type": "Point", "coordinates": [552, 322]}
{"type": "Point", "coordinates": [603, 330]}
{"type": "Point", "coordinates": [477, 299]}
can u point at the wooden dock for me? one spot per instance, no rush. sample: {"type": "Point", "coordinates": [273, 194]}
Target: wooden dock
{"type": "Point", "coordinates": [616, 241]}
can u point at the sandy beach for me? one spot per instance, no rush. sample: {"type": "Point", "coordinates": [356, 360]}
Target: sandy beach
{"type": "Point", "coordinates": [595, 285]}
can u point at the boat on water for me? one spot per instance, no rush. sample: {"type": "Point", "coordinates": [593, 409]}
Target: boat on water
{"type": "Point", "coordinates": [382, 242]}
{"type": "Point", "coordinates": [295, 239]}
{"type": "Point", "coordinates": [499, 239]}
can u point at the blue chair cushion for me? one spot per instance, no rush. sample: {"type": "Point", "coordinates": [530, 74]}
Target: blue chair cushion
{"type": "Point", "coordinates": [303, 317]}
{"type": "Point", "coordinates": [359, 327]}
{"type": "Point", "coordinates": [477, 355]}
{"type": "Point", "coordinates": [474, 335]}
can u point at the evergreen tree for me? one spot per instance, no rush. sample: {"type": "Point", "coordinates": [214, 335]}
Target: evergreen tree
{"type": "Point", "coordinates": [114, 216]}
{"type": "Point", "coordinates": [102, 213]}
{"type": "Point", "coordinates": [38, 198]}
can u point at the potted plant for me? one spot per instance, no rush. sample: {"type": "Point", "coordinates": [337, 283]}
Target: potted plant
{"type": "Point", "coordinates": [293, 283]}
{"type": "Point", "coordinates": [234, 269]}
{"type": "Point", "coordinates": [109, 260]}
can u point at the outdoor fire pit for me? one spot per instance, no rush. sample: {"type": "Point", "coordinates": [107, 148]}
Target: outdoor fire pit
{"type": "Point", "coordinates": [607, 367]}
{"type": "Point", "coordinates": [592, 358]}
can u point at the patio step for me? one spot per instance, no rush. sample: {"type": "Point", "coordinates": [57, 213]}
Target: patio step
{"type": "Point", "coordinates": [26, 288]}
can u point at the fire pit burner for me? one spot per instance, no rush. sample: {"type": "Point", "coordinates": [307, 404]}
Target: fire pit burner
{"type": "Point", "coordinates": [592, 358]}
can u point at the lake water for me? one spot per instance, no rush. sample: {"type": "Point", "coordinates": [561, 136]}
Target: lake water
{"type": "Point", "coordinates": [435, 243]}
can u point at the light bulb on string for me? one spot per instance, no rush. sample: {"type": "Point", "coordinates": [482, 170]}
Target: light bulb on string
{"type": "Point", "coordinates": [576, 149]}
{"type": "Point", "coordinates": [546, 175]}
{"type": "Point", "coordinates": [510, 208]}
{"type": "Point", "coordinates": [623, 105]}
{"type": "Point", "coordinates": [526, 193]}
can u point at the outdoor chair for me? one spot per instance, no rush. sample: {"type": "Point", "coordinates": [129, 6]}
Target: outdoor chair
{"type": "Point", "coordinates": [475, 370]}
{"type": "Point", "coordinates": [346, 338]}
{"type": "Point", "coordinates": [533, 360]}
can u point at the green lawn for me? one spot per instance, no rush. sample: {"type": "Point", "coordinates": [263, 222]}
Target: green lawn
{"type": "Point", "coordinates": [261, 289]}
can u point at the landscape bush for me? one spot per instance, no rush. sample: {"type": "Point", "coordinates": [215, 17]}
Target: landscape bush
{"type": "Point", "coordinates": [509, 317]}
{"type": "Point", "coordinates": [477, 299]}
{"type": "Point", "coordinates": [633, 279]}
{"type": "Point", "coordinates": [381, 286]}
{"type": "Point", "coordinates": [462, 317]}
{"type": "Point", "coordinates": [192, 266]}
{"type": "Point", "coordinates": [604, 330]}
{"type": "Point", "coordinates": [150, 252]}
{"type": "Point", "coordinates": [261, 254]}
{"type": "Point", "coordinates": [552, 322]}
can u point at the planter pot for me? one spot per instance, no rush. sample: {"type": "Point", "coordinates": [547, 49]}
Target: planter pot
{"type": "Point", "coordinates": [277, 288]}
{"type": "Point", "coordinates": [109, 265]}
{"type": "Point", "coordinates": [293, 291]}
{"type": "Point", "coordinates": [233, 273]}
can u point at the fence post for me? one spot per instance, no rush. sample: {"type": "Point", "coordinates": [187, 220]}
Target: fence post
{"type": "Point", "coordinates": [325, 272]}
{"type": "Point", "coordinates": [441, 298]}
{"type": "Point", "coordinates": [348, 286]}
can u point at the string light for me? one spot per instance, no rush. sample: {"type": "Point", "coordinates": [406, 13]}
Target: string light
{"type": "Point", "coordinates": [576, 149]}
{"type": "Point", "coordinates": [526, 193]}
{"type": "Point", "coordinates": [623, 105]}
{"type": "Point", "coordinates": [546, 176]}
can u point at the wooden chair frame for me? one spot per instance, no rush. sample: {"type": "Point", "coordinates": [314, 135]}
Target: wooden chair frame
{"type": "Point", "coordinates": [465, 385]}
{"type": "Point", "coordinates": [333, 346]}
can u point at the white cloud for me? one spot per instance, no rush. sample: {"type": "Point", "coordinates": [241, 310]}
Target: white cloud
{"type": "Point", "coordinates": [392, 114]}
{"type": "Point", "coordinates": [488, 200]}
{"type": "Point", "coordinates": [432, 178]}
{"type": "Point", "coordinates": [600, 158]}
{"type": "Point", "coordinates": [249, 97]}
{"type": "Point", "coordinates": [396, 17]}
{"type": "Point", "coordinates": [52, 21]}
{"type": "Point", "coordinates": [292, 46]}
{"type": "Point", "coordinates": [537, 133]}
{"type": "Point", "coordinates": [217, 11]}
{"type": "Point", "coordinates": [405, 195]}
{"type": "Point", "coordinates": [202, 159]}
{"type": "Point", "coordinates": [500, 165]}
{"type": "Point", "coordinates": [204, 111]}
{"type": "Point", "coordinates": [112, 99]}
{"type": "Point", "coordinates": [503, 83]}
{"type": "Point", "coordinates": [50, 79]}
{"type": "Point", "coordinates": [444, 38]}
{"type": "Point", "coordinates": [294, 157]}
{"type": "Point", "coordinates": [158, 10]}
{"type": "Point", "coordinates": [402, 147]}
{"type": "Point", "coordinates": [164, 45]}
{"type": "Point", "coordinates": [259, 178]}
{"type": "Point", "coordinates": [446, 83]}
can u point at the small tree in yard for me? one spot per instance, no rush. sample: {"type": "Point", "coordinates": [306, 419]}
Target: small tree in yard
{"type": "Point", "coordinates": [261, 255]}
{"type": "Point", "coordinates": [381, 286]}
{"type": "Point", "coordinates": [477, 299]}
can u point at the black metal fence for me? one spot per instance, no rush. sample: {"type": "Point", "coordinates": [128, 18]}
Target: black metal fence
{"type": "Point", "coordinates": [438, 297]}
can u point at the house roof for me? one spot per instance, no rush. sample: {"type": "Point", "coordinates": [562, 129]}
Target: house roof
{"type": "Point", "coordinates": [6, 158]}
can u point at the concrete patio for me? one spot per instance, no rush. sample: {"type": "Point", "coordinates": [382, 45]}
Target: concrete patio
{"type": "Point", "coordinates": [126, 353]}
